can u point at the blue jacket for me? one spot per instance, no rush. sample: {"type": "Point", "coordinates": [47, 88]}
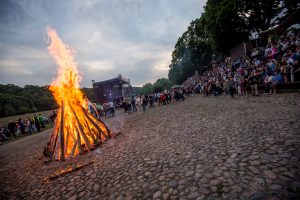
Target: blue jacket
{"type": "Point", "coordinates": [277, 78]}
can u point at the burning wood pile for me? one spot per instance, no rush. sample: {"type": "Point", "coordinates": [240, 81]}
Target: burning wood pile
{"type": "Point", "coordinates": [76, 130]}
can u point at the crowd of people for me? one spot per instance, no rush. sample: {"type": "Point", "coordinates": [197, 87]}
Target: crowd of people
{"type": "Point", "coordinates": [141, 102]}
{"type": "Point", "coordinates": [277, 63]}
{"type": "Point", "coordinates": [29, 125]}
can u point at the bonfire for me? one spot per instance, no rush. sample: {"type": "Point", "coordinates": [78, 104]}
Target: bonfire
{"type": "Point", "coordinates": [76, 130]}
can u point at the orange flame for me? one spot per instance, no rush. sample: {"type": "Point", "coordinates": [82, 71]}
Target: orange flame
{"type": "Point", "coordinates": [75, 130]}
{"type": "Point", "coordinates": [68, 74]}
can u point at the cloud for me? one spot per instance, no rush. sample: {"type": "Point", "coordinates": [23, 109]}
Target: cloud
{"type": "Point", "coordinates": [13, 67]}
{"type": "Point", "coordinates": [99, 65]}
{"type": "Point", "coordinates": [134, 38]}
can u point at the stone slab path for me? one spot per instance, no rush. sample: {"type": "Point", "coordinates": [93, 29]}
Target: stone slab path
{"type": "Point", "coordinates": [202, 148]}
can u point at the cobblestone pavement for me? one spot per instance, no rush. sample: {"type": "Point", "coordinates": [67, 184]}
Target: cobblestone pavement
{"type": "Point", "coordinates": [202, 148]}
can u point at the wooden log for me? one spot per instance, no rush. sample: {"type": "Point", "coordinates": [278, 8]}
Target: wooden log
{"type": "Point", "coordinates": [55, 128]}
{"type": "Point", "coordinates": [82, 130]}
{"type": "Point", "coordinates": [107, 130]}
{"type": "Point", "coordinates": [94, 123]}
{"type": "Point", "coordinates": [78, 141]}
{"type": "Point", "coordinates": [89, 130]}
{"type": "Point", "coordinates": [53, 138]}
{"type": "Point", "coordinates": [86, 140]}
{"type": "Point", "coordinates": [95, 131]}
{"type": "Point", "coordinates": [67, 141]}
{"type": "Point", "coordinates": [74, 147]}
{"type": "Point", "coordinates": [62, 136]}
{"type": "Point", "coordinates": [75, 143]}
{"type": "Point", "coordinates": [55, 141]}
{"type": "Point", "coordinates": [66, 171]}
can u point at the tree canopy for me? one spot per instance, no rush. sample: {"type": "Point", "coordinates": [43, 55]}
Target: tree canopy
{"type": "Point", "coordinates": [159, 86]}
{"type": "Point", "coordinates": [16, 100]}
{"type": "Point", "coordinates": [223, 25]}
{"type": "Point", "coordinates": [191, 53]}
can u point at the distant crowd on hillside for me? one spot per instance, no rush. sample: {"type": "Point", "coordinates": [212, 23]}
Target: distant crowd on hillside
{"type": "Point", "coordinates": [277, 63]}
{"type": "Point", "coordinates": [30, 125]}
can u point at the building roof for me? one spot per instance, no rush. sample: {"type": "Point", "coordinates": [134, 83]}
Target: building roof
{"type": "Point", "coordinates": [113, 81]}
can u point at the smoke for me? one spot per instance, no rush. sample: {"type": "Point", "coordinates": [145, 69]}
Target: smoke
{"type": "Point", "coordinates": [116, 124]}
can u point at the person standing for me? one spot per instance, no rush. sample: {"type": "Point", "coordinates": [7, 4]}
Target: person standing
{"type": "Point", "coordinates": [22, 126]}
{"type": "Point", "coordinates": [41, 120]}
{"type": "Point", "coordinates": [163, 99]}
{"type": "Point", "coordinates": [133, 104]}
{"type": "Point", "coordinates": [12, 128]}
{"type": "Point", "coordinates": [30, 125]}
{"type": "Point", "coordinates": [111, 109]}
{"type": "Point", "coordinates": [144, 103]}
{"type": "Point", "coordinates": [159, 99]}
{"type": "Point", "coordinates": [181, 93]}
{"type": "Point", "coordinates": [169, 97]}
{"type": "Point", "coordinates": [138, 102]}
{"type": "Point", "coordinates": [231, 87]}
{"type": "Point", "coordinates": [252, 80]}
{"type": "Point", "coordinates": [276, 79]}
{"type": "Point", "coordinates": [37, 123]}
{"type": "Point", "coordinates": [151, 101]}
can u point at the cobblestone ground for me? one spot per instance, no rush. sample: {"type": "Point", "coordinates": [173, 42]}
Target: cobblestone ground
{"type": "Point", "coordinates": [202, 148]}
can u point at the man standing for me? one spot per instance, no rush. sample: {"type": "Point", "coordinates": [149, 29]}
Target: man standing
{"type": "Point", "coordinates": [144, 103]}
{"type": "Point", "coordinates": [12, 128]}
{"type": "Point", "coordinates": [111, 109]}
{"type": "Point", "coordinates": [252, 80]}
{"type": "Point", "coordinates": [22, 126]}
{"type": "Point", "coordinates": [181, 93]}
{"type": "Point", "coordinates": [37, 123]}
{"type": "Point", "coordinates": [231, 86]}
{"type": "Point", "coordinates": [277, 79]}
{"type": "Point", "coordinates": [133, 104]}
{"type": "Point", "coordinates": [41, 120]}
{"type": "Point", "coordinates": [30, 125]}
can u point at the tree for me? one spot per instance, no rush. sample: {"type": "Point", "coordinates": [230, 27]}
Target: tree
{"type": "Point", "coordinates": [161, 85]}
{"type": "Point", "coordinates": [17, 100]}
{"type": "Point", "coordinates": [259, 14]}
{"type": "Point", "coordinates": [223, 25]}
{"type": "Point", "coordinates": [190, 54]}
{"type": "Point", "coordinates": [147, 89]}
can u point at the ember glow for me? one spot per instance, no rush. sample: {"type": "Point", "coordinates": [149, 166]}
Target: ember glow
{"type": "Point", "coordinates": [76, 130]}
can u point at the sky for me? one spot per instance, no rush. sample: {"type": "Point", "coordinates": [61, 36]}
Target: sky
{"type": "Point", "coordinates": [134, 38]}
